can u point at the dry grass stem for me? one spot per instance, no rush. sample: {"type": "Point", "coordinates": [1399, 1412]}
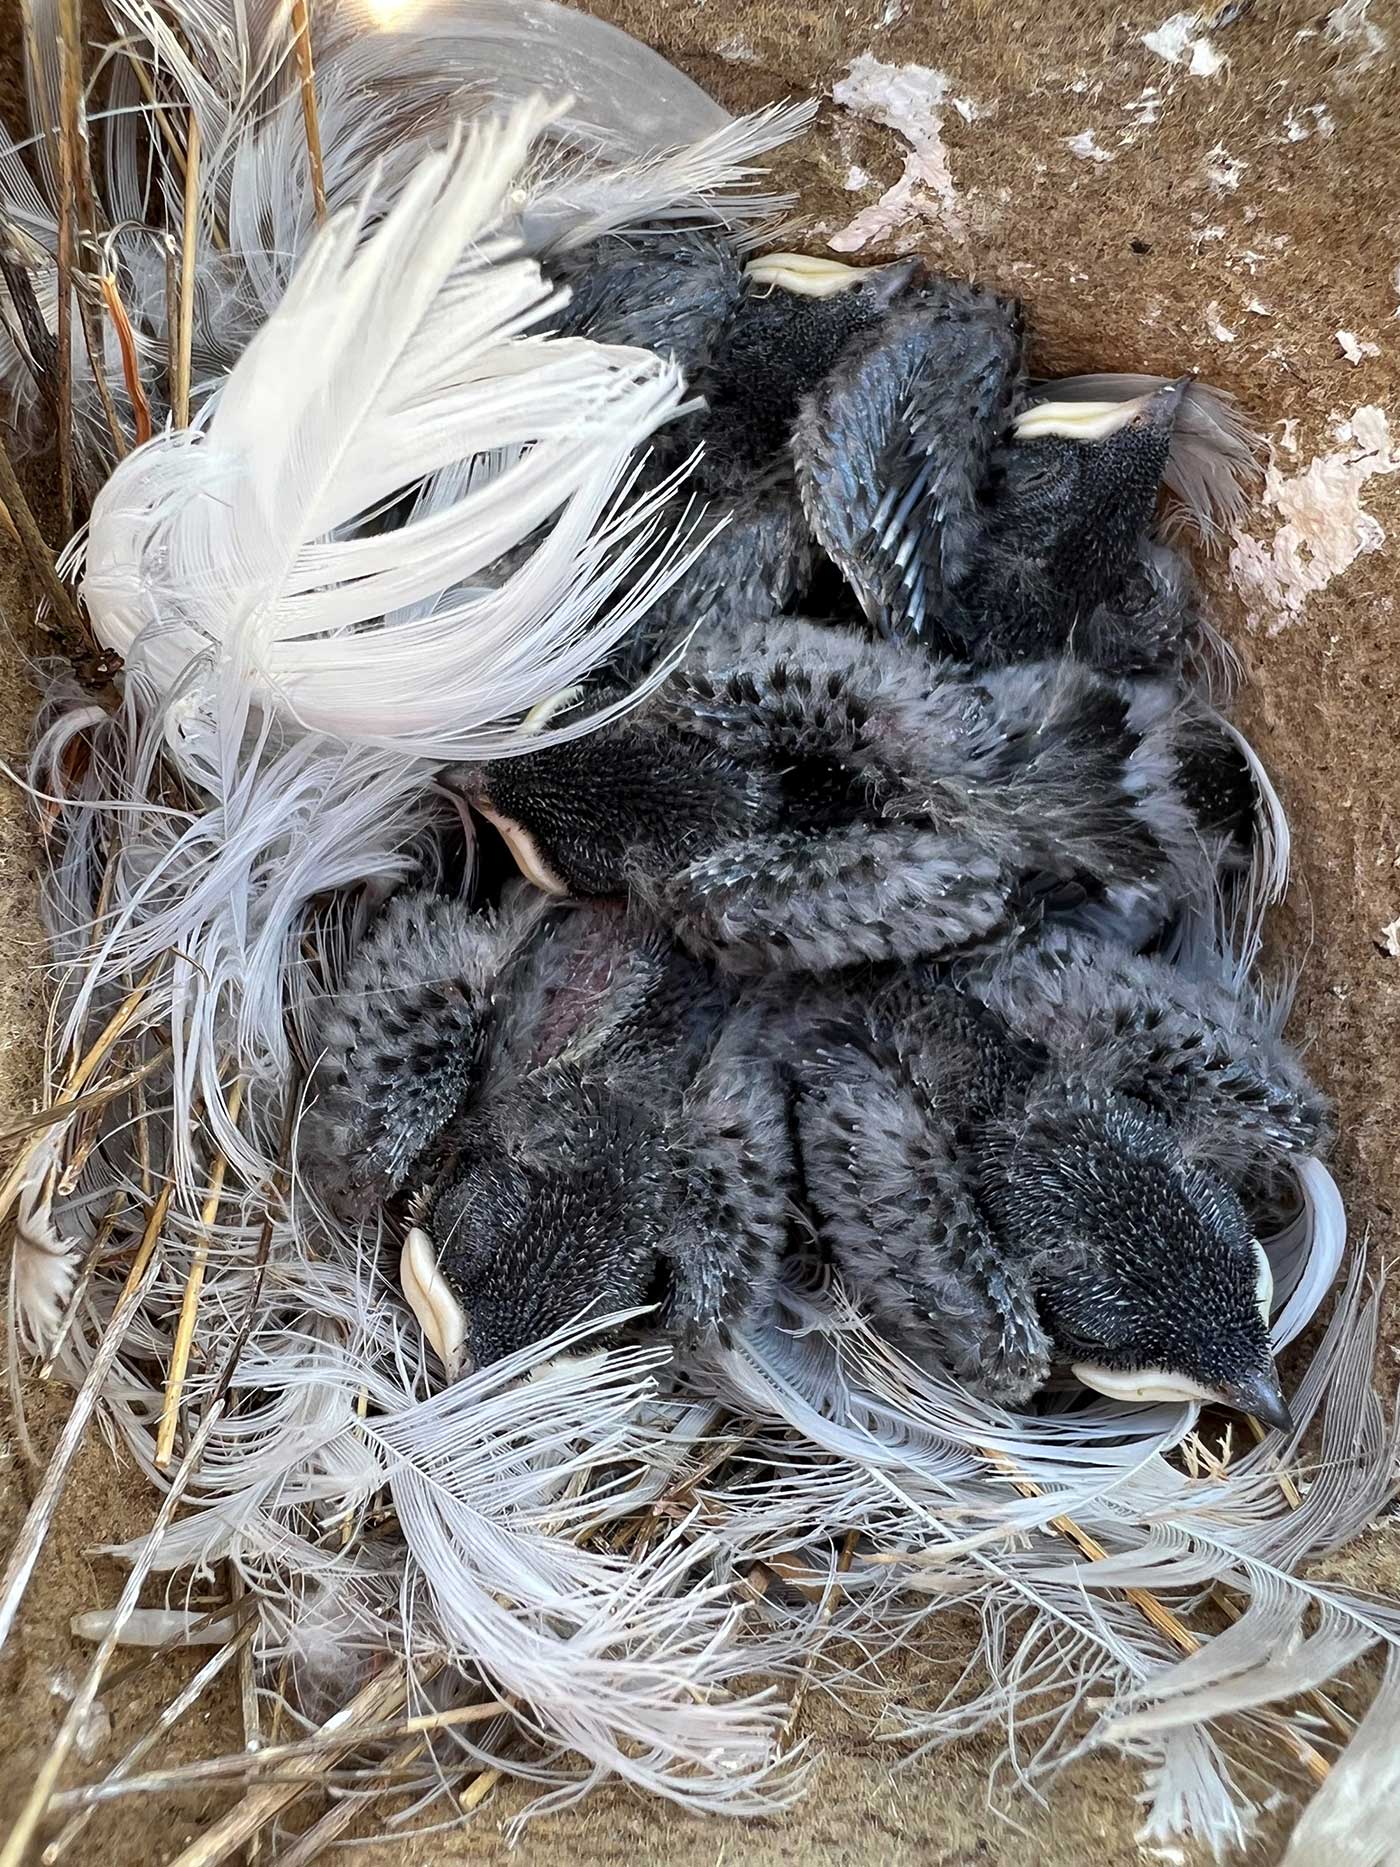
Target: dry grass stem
{"type": "Point", "coordinates": [189, 1306]}
{"type": "Point", "coordinates": [30, 1540]}
{"type": "Point", "coordinates": [131, 365]}
{"type": "Point", "coordinates": [184, 339]}
{"type": "Point", "coordinates": [385, 1693]}
{"type": "Point", "coordinates": [167, 1719]}
{"type": "Point", "coordinates": [37, 554]}
{"type": "Point", "coordinates": [301, 32]}
{"type": "Point", "coordinates": [32, 1813]}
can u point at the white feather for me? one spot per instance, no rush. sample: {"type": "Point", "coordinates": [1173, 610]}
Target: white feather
{"type": "Point", "coordinates": [1351, 1820]}
{"type": "Point", "coordinates": [43, 1261]}
{"type": "Point", "coordinates": [263, 628]}
{"type": "Point", "coordinates": [225, 562]}
{"type": "Point", "coordinates": [1307, 1254]}
{"type": "Point", "coordinates": [630, 141]}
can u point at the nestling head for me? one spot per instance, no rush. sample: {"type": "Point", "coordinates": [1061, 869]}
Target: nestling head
{"type": "Point", "coordinates": [1152, 1285]}
{"type": "Point", "coordinates": [1082, 483]}
{"type": "Point", "coordinates": [583, 817]}
{"type": "Point", "coordinates": [551, 1210]}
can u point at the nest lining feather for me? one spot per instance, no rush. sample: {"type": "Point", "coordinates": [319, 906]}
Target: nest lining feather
{"type": "Point", "coordinates": [634, 1572]}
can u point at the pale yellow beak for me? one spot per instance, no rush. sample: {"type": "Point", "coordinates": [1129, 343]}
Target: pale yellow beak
{"type": "Point", "coordinates": [804, 274]}
{"type": "Point", "coordinates": [430, 1297]}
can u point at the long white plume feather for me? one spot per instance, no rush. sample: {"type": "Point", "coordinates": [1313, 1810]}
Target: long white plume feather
{"type": "Point", "coordinates": [232, 559]}
{"type": "Point", "coordinates": [630, 141]}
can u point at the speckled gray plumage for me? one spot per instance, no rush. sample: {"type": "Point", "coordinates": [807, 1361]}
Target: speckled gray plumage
{"type": "Point", "coordinates": [675, 294]}
{"type": "Point", "coordinates": [1064, 559]}
{"type": "Point", "coordinates": [888, 1084]}
{"type": "Point", "coordinates": [893, 445]}
{"type": "Point", "coordinates": [401, 1040]}
{"type": "Point", "coordinates": [804, 798]}
{"type": "Point", "coordinates": [750, 353]}
{"type": "Point", "coordinates": [1187, 1049]}
{"type": "Point", "coordinates": [875, 426]}
{"type": "Point", "coordinates": [581, 1116]}
{"type": "Point", "coordinates": [997, 1190]}
{"type": "Point", "coordinates": [647, 1162]}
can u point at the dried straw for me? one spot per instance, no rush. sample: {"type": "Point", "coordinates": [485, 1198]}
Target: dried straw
{"type": "Point", "coordinates": [17, 1846]}
{"type": "Point", "coordinates": [189, 1307]}
{"type": "Point", "coordinates": [184, 329]}
{"type": "Point", "coordinates": [301, 35]}
{"type": "Point", "coordinates": [31, 1538]}
{"type": "Point", "coordinates": [166, 1720]}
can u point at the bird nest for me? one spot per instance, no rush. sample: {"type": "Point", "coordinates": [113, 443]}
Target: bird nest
{"type": "Point", "coordinates": [631, 1565]}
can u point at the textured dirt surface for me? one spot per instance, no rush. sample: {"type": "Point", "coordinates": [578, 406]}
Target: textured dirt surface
{"type": "Point", "coordinates": [1243, 216]}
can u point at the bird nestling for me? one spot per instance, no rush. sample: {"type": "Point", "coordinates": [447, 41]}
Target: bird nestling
{"type": "Point", "coordinates": [581, 1119]}
{"type": "Point", "coordinates": [882, 418]}
{"type": "Point", "coordinates": [1061, 1183]}
{"type": "Point", "coordinates": [803, 798]}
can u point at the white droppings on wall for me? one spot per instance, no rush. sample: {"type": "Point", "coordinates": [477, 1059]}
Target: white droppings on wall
{"type": "Point", "coordinates": [911, 100]}
{"type": "Point", "coordinates": [1325, 525]}
{"type": "Point", "coordinates": [1312, 119]}
{"type": "Point", "coordinates": [1146, 107]}
{"type": "Point", "coordinates": [1356, 349]}
{"type": "Point", "coordinates": [1362, 42]}
{"type": "Point", "coordinates": [1222, 169]}
{"type": "Point", "coordinates": [1086, 148]}
{"type": "Point", "coordinates": [1180, 41]}
{"type": "Point", "coordinates": [1172, 37]}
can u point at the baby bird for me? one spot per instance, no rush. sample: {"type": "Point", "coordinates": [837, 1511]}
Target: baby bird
{"type": "Point", "coordinates": [752, 341]}
{"type": "Point", "coordinates": [882, 417]}
{"type": "Point", "coordinates": [814, 797]}
{"type": "Point", "coordinates": [581, 1120]}
{"type": "Point", "coordinates": [1060, 1183]}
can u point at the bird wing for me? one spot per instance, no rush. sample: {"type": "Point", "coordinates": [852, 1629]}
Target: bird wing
{"type": "Point", "coordinates": [895, 1195]}
{"type": "Point", "coordinates": [404, 1040]}
{"type": "Point", "coordinates": [1184, 1047]}
{"type": "Point", "coordinates": [779, 901]}
{"type": "Point", "coordinates": [732, 1151]}
{"type": "Point", "coordinates": [890, 450]}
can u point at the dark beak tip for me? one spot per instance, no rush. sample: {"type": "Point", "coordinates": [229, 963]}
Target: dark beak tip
{"type": "Point", "coordinates": [1280, 1417]}
{"type": "Point", "coordinates": [899, 275]}
{"type": "Point", "coordinates": [1164, 405]}
{"type": "Point", "coordinates": [1261, 1397]}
